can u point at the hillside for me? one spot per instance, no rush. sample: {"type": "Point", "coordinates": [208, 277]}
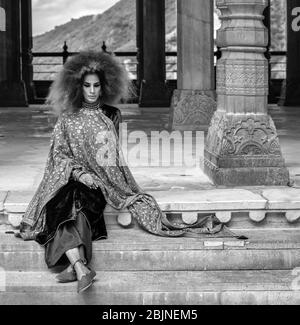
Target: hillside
{"type": "Point", "coordinates": [116, 26]}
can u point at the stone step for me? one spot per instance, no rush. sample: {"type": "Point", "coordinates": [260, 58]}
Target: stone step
{"type": "Point", "coordinates": [155, 288]}
{"type": "Point", "coordinates": [134, 249]}
{"type": "Point", "coordinates": [255, 203]}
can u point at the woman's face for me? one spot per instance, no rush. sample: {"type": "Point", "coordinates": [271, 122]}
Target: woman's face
{"type": "Point", "coordinates": [91, 88]}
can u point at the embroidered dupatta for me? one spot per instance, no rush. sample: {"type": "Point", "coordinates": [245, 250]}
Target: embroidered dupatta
{"type": "Point", "coordinates": [87, 140]}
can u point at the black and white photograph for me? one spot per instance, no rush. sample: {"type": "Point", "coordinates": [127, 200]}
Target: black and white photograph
{"type": "Point", "coordinates": [149, 155]}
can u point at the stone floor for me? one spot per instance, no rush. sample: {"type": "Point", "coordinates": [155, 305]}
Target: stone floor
{"type": "Point", "coordinates": [287, 121]}
{"type": "Point", "coordinates": [24, 144]}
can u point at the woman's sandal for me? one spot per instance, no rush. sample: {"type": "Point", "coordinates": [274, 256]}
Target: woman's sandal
{"type": "Point", "coordinates": [87, 280]}
{"type": "Point", "coordinates": [66, 276]}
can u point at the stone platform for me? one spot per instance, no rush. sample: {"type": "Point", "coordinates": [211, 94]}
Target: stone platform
{"type": "Point", "coordinates": [134, 267]}
{"type": "Point", "coordinates": [256, 204]}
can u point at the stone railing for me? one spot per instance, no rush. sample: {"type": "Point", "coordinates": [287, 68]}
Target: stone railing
{"type": "Point", "coordinates": [229, 205]}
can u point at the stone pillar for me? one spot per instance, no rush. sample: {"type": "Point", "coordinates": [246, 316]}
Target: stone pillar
{"type": "Point", "coordinates": [242, 146]}
{"type": "Point", "coordinates": [292, 97]}
{"type": "Point", "coordinates": [12, 87]}
{"type": "Point", "coordinates": [2, 43]}
{"type": "Point", "coordinates": [27, 67]}
{"type": "Point", "coordinates": [193, 103]}
{"type": "Point", "coordinates": [267, 22]}
{"type": "Point", "coordinates": [153, 89]}
{"type": "Point", "coordinates": [139, 41]}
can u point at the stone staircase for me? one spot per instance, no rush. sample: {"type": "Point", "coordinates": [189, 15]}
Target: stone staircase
{"type": "Point", "coordinates": [134, 267]}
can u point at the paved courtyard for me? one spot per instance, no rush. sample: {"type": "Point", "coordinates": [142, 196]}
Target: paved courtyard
{"type": "Point", "coordinates": [24, 144]}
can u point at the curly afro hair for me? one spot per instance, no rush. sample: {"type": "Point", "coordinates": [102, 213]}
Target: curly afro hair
{"type": "Point", "coordinates": [66, 91]}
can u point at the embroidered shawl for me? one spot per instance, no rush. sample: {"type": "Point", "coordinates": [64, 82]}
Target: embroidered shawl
{"type": "Point", "coordinates": [88, 140]}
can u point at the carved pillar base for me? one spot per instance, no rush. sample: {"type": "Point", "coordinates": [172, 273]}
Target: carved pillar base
{"type": "Point", "coordinates": [242, 146]}
{"type": "Point", "coordinates": [192, 110]}
{"type": "Point", "coordinates": [244, 149]}
{"type": "Point", "coordinates": [13, 94]}
{"type": "Point", "coordinates": [154, 95]}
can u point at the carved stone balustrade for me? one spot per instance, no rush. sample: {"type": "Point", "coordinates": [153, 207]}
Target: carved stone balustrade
{"type": "Point", "coordinates": [241, 208]}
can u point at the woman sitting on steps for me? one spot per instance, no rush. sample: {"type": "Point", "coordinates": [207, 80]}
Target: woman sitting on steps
{"type": "Point", "coordinates": [85, 170]}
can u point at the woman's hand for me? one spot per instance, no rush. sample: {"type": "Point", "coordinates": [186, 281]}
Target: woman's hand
{"type": "Point", "coordinates": [87, 180]}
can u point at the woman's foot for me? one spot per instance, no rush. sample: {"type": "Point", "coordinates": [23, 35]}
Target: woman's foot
{"type": "Point", "coordinates": [85, 276]}
{"type": "Point", "coordinates": [67, 275]}
{"type": "Point", "coordinates": [86, 281]}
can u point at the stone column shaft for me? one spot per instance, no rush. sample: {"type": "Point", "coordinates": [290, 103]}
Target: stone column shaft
{"type": "Point", "coordinates": [27, 67]}
{"type": "Point", "coordinates": [267, 22]}
{"type": "Point", "coordinates": [292, 97]}
{"type": "Point", "coordinates": [195, 45]}
{"type": "Point", "coordinates": [140, 40]}
{"type": "Point", "coordinates": [193, 102]}
{"type": "Point", "coordinates": [242, 146]}
{"type": "Point", "coordinates": [153, 89]}
{"type": "Point", "coordinates": [12, 87]}
{"type": "Point", "coordinates": [2, 43]}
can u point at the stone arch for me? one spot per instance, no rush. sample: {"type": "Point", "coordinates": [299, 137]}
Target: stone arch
{"type": "Point", "coordinates": [2, 20]}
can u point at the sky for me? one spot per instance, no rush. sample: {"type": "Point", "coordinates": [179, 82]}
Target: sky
{"type": "Point", "coordinates": [46, 14]}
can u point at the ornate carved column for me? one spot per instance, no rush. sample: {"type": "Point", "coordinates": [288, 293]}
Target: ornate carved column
{"type": "Point", "coordinates": [193, 103]}
{"type": "Point", "coordinates": [153, 88]}
{"type": "Point", "coordinates": [242, 146]}
{"type": "Point", "coordinates": [12, 87]}
{"type": "Point", "coordinates": [292, 97]}
{"type": "Point", "coordinates": [27, 67]}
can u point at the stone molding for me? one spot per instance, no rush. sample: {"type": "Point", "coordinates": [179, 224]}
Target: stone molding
{"type": "Point", "coordinates": [188, 207]}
